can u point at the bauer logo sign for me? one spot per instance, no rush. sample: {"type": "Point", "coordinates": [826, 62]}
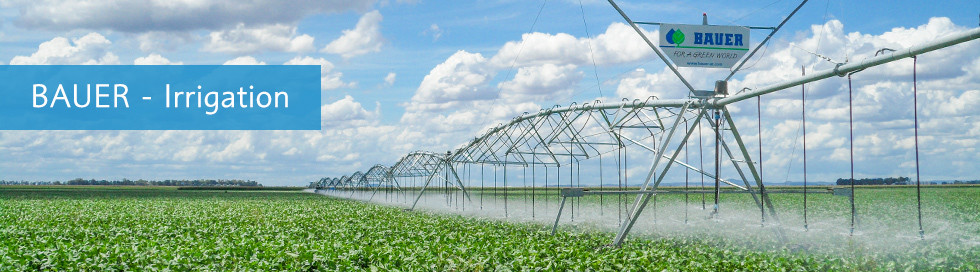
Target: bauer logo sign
{"type": "Point", "coordinates": [704, 45]}
{"type": "Point", "coordinates": [160, 97]}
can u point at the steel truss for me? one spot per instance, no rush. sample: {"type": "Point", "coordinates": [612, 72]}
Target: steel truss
{"type": "Point", "coordinates": [430, 165]}
{"type": "Point", "coordinates": [559, 135]}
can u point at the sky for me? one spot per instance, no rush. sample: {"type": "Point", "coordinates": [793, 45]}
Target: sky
{"type": "Point", "coordinates": [403, 75]}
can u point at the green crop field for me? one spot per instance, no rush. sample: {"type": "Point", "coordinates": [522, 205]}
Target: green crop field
{"type": "Point", "coordinates": [89, 228]}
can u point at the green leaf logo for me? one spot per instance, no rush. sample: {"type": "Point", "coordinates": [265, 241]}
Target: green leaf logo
{"type": "Point", "coordinates": [678, 37]}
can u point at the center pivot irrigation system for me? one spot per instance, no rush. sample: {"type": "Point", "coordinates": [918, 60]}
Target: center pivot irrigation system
{"type": "Point", "coordinates": [568, 136]}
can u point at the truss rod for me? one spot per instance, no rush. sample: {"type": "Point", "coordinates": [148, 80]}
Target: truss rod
{"type": "Point", "coordinates": [764, 41]}
{"type": "Point", "coordinates": [655, 49]}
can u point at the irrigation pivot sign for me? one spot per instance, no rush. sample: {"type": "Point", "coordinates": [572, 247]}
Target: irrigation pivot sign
{"type": "Point", "coordinates": [704, 45]}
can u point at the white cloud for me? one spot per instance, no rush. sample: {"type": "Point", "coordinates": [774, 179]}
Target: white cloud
{"type": "Point", "coordinates": [92, 48]}
{"type": "Point", "coordinates": [328, 79]}
{"type": "Point", "coordinates": [541, 48]}
{"type": "Point", "coordinates": [163, 41]}
{"type": "Point", "coordinates": [617, 45]}
{"type": "Point", "coordinates": [390, 79]}
{"type": "Point", "coordinates": [639, 84]}
{"type": "Point", "coordinates": [155, 59]}
{"type": "Point", "coordinates": [162, 15]}
{"type": "Point", "coordinates": [544, 82]}
{"type": "Point", "coordinates": [347, 112]}
{"type": "Point", "coordinates": [364, 38]}
{"type": "Point", "coordinates": [966, 104]}
{"type": "Point", "coordinates": [548, 68]}
{"type": "Point", "coordinates": [463, 76]}
{"type": "Point", "coordinates": [435, 31]}
{"type": "Point", "coordinates": [456, 99]}
{"type": "Point", "coordinates": [244, 60]}
{"type": "Point", "coordinates": [621, 44]}
{"type": "Point", "coordinates": [244, 40]}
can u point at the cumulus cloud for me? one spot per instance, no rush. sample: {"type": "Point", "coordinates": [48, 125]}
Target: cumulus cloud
{"type": "Point", "coordinates": [244, 60]}
{"type": "Point", "coordinates": [163, 41]}
{"type": "Point", "coordinates": [364, 38]}
{"type": "Point", "coordinates": [617, 45]}
{"type": "Point", "coordinates": [142, 16]}
{"type": "Point", "coordinates": [92, 48]}
{"type": "Point", "coordinates": [640, 84]}
{"type": "Point", "coordinates": [390, 79]}
{"type": "Point", "coordinates": [547, 67]}
{"type": "Point", "coordinates": [881, 85]}
{"type": "Point", "coordinates": [543, 82]}
{"type": "Point", "coordinates": [352, 136]}
{"type": "Point", "coordinates": [244, 40]}
{"type": "Point", "coordinates": [463, 76]}
{"type": "Point", "coordinates": [456, 100]}
{"type": "Point", "coordinates": [347, 112]}
{"type": "Point", "coordinates": [155, 59]}
{"type": "Point", "coordinates": [328, 79]}
{"type": "Point", "coordinates": [461, 97]}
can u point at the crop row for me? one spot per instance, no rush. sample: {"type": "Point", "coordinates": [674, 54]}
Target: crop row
{"type": "Point", "coordinates": [109, 230]}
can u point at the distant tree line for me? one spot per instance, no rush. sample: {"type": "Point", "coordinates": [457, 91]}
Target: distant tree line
{"type": "Point", "coordinates": [899, 181]}
{"type": "Point", "coordinates": [876, 181]}
{"type": "Point", "coordinates": [957, 182]}
{"type": "Point", "coordinates": [141, 182]}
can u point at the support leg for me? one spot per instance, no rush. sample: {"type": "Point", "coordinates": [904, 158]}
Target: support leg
{"type": "Point", "coordinates": [561, 207]}
{"type": "Point", "coordinates": [641, 199]}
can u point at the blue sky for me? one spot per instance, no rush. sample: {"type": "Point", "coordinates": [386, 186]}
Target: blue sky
{"type": "Point", "coordinates": [408, 75]}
